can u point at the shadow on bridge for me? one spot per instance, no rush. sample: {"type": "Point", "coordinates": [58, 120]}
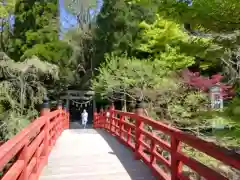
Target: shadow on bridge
{"type": "Point", "coordinates": [136, 169]}
{"type": "Point", "coordinates": [92, 154]}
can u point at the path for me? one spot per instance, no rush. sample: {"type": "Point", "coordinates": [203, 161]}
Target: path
{"type": "Point", "coordinates": [90, 154]}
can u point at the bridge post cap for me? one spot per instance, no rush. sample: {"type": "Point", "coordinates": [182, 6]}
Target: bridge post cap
{"type": "Point", "coordinates": [60, 102]}
{"type": "Point", "coordinates": [45, 103]}
{"type": "Point", "coordinates": [65, 107]}
{"type": "Point", "coordinates": [110, 101]}
{"type": "Point", "coordinates": [132, 103]}
{"type": "Point", "coordinates": [139, 104]}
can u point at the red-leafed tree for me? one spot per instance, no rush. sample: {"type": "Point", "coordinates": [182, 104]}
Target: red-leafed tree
{"type": "Point", "coordinates": [203, 83]}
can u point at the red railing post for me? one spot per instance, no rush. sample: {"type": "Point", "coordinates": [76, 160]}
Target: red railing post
{"type": "Point", "coordinates": [37, 156]}
{"type": "Point", "coordinates": [152, 156]}
{"type": "Point", "coordinates": [60, 124]}
{"type": "Point", "coordinates": [138, 136]}
{"type": "Point", "coordinates": [66, 117]}
{"type": "Point", "coordinates": [110, 120]}
{"type": "Point", "coordinates": [111, 125]}
{"type": "Point", "coordinates": [176, 166]}
{"type": "Point", "coordinates": [139, 125]}
{"type": "Point", "coordinates": [121, 125]}
{"type": "Point", "coordinates": [102, 123]}
{"type": "Point", "coordinates": [95, 119]}
{"type": "Point", "coordinates": [23, 157]}
{"type": "Point", "coordinates": [45, 109]}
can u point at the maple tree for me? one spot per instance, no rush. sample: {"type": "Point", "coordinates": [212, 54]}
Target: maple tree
{"type": "Point", "coordinates": [203, 83]}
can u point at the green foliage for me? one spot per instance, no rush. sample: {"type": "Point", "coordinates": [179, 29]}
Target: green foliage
{"type": "Point", "coordinates": [134, 73]}
{"type": "Point", "coordinates": [145, 51]}
{"type": "Point", "coordinates": [161, 49]}
{"type": "Point", "coordinates": [78, 6]}
{"type": "Point", "coordinates": [22, 88]}
{"type": "Point", "coordinates": [55, 52]}
{"type": "Point", "coordinates": [6, 11]}
{"type": "Point", "coordinates": [169, 37]}
{"type": "Point", "coordinates": [233, 109]}
{"type": "Point", "coordinates": [117, 29]}
{"type": "Point", "coordinates": [166, 94]}
{"type": "Point", "coordinates": [155, 37]}
{"type": "Point", "coordinates": [7, 8]}
{"type": "Point", "coordinates": [209, 15]}
{"type": "Point", "coordinates": [35, 23]}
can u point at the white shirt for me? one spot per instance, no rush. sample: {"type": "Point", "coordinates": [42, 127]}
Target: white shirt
{"type": "Point", "coordinates": [84, 116]}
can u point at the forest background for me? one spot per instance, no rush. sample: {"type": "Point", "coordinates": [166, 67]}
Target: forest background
{"type": "Point", "coordinates": [123, 50]}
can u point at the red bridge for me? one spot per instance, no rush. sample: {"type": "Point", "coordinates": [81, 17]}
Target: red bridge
{"type": "Point", "coordinates": [113, 149]}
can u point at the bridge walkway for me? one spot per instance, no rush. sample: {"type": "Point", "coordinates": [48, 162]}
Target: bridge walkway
{"type": "Point", "coordinates": [91, 154]}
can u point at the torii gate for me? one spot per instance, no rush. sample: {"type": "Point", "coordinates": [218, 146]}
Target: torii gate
{"type": "Point", "coordinates": [82, 95]}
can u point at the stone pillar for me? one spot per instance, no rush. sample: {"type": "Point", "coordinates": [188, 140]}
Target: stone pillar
{"type": "Point", "coordinates": [112, 107]}
{"type": "Point", "coordinates": [59, 105]}
{"type": "Point", "coordinates": [45, 106]}
{"type": "Point", "coordinates": [94, 104]}
{"type": "Point", "coordinates": [139, 108]}
{"type": "Point", "coordinates": [66, 111]}
{"type": "Point", "coordinates": [65, 106]}
{"type": "Point", "coordinates": [101, 110]}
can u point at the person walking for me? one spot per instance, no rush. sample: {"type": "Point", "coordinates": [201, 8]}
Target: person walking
{"type": "Point", "coordinates": [84, 118]}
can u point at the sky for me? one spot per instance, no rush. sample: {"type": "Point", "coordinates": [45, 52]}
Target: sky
{"type": "Point", "coordinates": [66, 19]}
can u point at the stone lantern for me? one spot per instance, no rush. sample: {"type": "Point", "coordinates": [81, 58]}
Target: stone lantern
{"type": "Point", "coordinates": [216, 98]}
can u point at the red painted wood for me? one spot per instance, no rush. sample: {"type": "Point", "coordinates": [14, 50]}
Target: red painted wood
{"type": "Point", "coordinates": [32, 145]}
{"type": "Point", "coordinates": [157, 145]}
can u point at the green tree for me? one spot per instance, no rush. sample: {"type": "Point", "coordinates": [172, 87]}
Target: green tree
{"type": "Point", "coordinates": [215, 16]}
{"type": "Point", "coordinates": [80, 39]}
{"type": "Point", "coordinates": [6, 12]}
{"type": "Point", "coordinates": [22, 88]}
{"type": "Point", "coordinates": [218, 20]}
{"type": "Point", "coordinates": [117, 25]}
{"type": "Point", "coordinates": [166, 36]}
{"type": "Point", "coordinates": [35, 23]}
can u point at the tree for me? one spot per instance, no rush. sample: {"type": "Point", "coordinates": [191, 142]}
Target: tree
{"type": "Point", "coordinates": [217, 16]}
{"type": "Point", "coordinates": [157, 54]}
{"type": "Point", "coordinates": [35, 23]}
{"type": "Point", "coordinates": [84, 10]}
{"type": "Point", "coordinates": [55, 52]}
{"type": "Point", "coordinates": [117, 29]}
{"type": "Point", "coordinates": [80, 39]}
{"type": "Point", "coordinates": [204, 83]}
{"type": "Point", "coordinates": [218, 20]}
{"type": "Point", "coordinates": [22, 88]}
{"type": "Point", "coordinates": [6, 11]}
{"type": "Point", "coordinates": [167, 96]}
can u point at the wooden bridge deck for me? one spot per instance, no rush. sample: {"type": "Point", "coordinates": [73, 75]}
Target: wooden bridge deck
{"type": "Point", "coordinates": [90, 154]}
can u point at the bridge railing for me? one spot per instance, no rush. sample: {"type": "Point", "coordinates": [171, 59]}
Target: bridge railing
{"type": "Point", "coordinates": [24, 156]}
{"type": "Point", "coordinates": [150, 145]}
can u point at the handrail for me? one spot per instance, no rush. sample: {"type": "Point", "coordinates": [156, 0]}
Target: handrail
{"type": "Point", "coordinates": [148, 146]}
{"type": "Point", "coordinates": [28, 151]}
